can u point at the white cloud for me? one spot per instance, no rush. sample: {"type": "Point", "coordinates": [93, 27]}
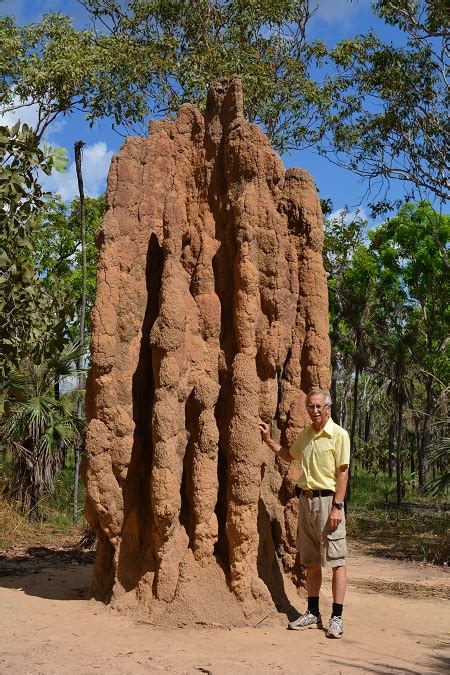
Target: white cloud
{"type": "Point", "coordinates": [27, 114]}
{"type": "Point", "coordinates": [95, 166]}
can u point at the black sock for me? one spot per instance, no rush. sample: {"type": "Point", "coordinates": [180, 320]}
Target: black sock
{"type": "Point", "coordinates": [337, 609]}
{"type": "Point", "coordinates": [313, 605]}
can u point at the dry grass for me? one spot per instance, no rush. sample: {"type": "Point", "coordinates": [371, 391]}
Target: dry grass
{"type": "Point", "coordinates": [16, 532]}
{"type": "Point", "coordinates": [413, 534]}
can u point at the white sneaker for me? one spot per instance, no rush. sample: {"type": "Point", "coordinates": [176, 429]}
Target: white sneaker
{"type": "Point", "coordinates": [335, 628]}
{"type": "Point", "coordinates": [306, 620]}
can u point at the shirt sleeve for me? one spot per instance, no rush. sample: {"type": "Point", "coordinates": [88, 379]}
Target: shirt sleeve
{"type": "Point", "coordinates": [342, 449]}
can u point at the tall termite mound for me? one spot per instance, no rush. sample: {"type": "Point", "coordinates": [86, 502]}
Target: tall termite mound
{"type": "Point", "coordinates": [211, 312]}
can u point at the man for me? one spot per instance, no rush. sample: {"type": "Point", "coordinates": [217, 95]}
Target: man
{"type": "Point", "coordinates": [323, 450]}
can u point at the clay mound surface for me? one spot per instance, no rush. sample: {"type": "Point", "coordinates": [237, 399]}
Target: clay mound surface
{"type": "Point", "coordinates": [211, 313]}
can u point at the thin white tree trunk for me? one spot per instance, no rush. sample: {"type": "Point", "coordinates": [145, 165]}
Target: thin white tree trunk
{"type": "Point", "coordinates": [80, 407]}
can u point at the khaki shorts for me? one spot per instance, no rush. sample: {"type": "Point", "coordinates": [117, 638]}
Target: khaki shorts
{"type": "Point", "coordinates": [316, 543]}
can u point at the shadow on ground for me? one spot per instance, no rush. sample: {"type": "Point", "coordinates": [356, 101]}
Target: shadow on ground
{"type": "Point", "coordinates": [61, 574]}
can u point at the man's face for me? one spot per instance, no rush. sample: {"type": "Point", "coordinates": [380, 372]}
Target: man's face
{"type": "Point", "coordinates": [318, 412]}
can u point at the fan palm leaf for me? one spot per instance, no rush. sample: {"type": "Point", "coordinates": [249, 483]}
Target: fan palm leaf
{"type": "Point", "coordinates": [37, 427]}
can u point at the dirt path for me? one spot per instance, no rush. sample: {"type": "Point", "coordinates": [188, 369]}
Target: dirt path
{"type": "Point", "coordinates": [397, 619]}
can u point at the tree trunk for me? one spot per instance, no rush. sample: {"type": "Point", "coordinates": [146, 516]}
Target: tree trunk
{"type": "Point", "coordinates": [343, 408]}
{"type": "Point", "coordinates": [353, 430]}
{"type": "Point", "coordinates": [417, 440]}
{"type": "Point", "coordinates": [425, 438]}
{"type": "Point", "coordinates": [81, 381]}
{"type": "Point", "coordinates": [367, 424]}
{"type": "Point", "coordinates": [334, 372]}
{"type": "Point", "coordinates": [391, 445]}
{"type": "Point", "coordinates": [361, 434]}
{"type": "Point", "coordinates": [398, 469]}
{"type": "Point", "coordinates": [412, 459]}
{"type": "Point", "coordinates": [34, 501]}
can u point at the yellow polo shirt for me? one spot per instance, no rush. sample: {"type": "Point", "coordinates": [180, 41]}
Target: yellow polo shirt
{"type": "Point", "coordinates": [320, 455]}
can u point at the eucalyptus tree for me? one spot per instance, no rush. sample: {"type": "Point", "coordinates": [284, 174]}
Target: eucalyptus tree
{"type": "Point", "coordinates": [411, 254]}
{"type": "Point", "coordinates": [27, 309]}
{"type": "Point", "coordinates": [56, 252]}
{"type": "Point", "coordinates": [343, 234]}
{"type": "Point", "coordinates": [147, 58]}
{"type": "Point", "coordinates": [393, 122]}
{"type": "Point", "coordinates": [377, 108]}
{"type": "Point", "coordinates": [439, 457]}
{"type": "Point", "coordinates": [358, 299]}
{"type": "Point", "coordinates": [398, 346]}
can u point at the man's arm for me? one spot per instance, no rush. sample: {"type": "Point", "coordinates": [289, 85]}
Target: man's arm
{"type": "Point", "coordinates": [273, 445]}
{"type": "Point", "coordinates": [335, 516]}
{"type": "Point", "coordinates": [341, 483]}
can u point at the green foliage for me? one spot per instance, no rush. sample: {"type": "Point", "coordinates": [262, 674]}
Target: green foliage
{"type": "Point", "coordinates": [40, 260]}
{"type": "Point", "coordinates": [49, 64]}
{"type": "Point", "coordinates": [56, 252]}
{"type": "Point", "coordinates": [55, 507]}
{"type": "Point", "coordinates": [439, 458]}
{"type": "Point", "coordinates": [343, 237]}
{"type": "Point", "coordinates": [41, 291]}
{"type": "Point", "coordinates": [411, 252]}
{"type": "Point", "coordinates": [392, 123]}
{"type": "Point", "coordinates": [150, 57]}
{"type": "Point", "coordinates": [376, 108]}
{"type": "Point", "coordinates": [58, 156]}
{"type": "Point", "coordinates": [27, 309]}
{"type": "Point", "coordinates": [417, 532]}
{"type": "Point", "coordinates": [411, 534]}
{"type": "Point", "coordinates": [38, 425]}
{"type": "Point", "coordinates": [389, 329]}
{"type": "Point", "coordinates": [374, 488]}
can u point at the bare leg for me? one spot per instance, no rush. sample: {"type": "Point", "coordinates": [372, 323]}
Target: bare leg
{"type": "Point", "coordinates": [339, 584]}
{"type": "Point", "coordinates": [314, 580]}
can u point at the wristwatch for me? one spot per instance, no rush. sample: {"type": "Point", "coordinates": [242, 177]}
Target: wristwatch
{"type": "Point", "coordinates": [339, 505]}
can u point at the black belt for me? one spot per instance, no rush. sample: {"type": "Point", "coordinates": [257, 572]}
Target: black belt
{"type": "Point", "coordinates": [316, 493]}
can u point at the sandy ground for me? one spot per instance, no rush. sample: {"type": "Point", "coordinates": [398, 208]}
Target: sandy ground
{"type": "Point", "coordinates": [397, 620]}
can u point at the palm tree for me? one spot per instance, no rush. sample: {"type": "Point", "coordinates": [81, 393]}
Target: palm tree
{"type": "Point", "coordinates": [399, 345]}
{"type": "Point", "coordinates": [38, 426]}
{"type": "Point", "coordinates": [439, 456]}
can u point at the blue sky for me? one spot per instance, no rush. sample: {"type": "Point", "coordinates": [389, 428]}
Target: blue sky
{"type": "Point", "coordinates": [334, 20]}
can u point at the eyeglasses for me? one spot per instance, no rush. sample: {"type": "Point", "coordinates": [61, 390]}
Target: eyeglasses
{"type": "Point", "coordinates": [319, 408]}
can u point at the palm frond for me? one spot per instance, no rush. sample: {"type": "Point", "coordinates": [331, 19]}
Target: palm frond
{"type": "Point", "coordinates": [64, 363]}
{"type": "Point", "coordinates": [439, 455]}
{"type": "Point", "coordinates": [439, 486]}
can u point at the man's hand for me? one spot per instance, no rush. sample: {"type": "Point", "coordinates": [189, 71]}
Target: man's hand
{"type": "Point", "coordinates": [334, 518]}
{"type": "Point", "coordinates": [265, 431]}
{"type": "Point", "coordinates": [273, 445]}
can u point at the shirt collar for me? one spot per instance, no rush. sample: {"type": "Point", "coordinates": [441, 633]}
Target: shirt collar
{"type": "Point", "coordinates": [328, 429]}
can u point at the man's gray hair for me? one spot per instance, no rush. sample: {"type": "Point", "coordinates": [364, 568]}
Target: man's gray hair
{"type": "Point", "coordinates": [316, 391]}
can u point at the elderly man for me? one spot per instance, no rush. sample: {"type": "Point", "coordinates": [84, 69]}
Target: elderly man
{"type": "Point", "coordinates": [323, 450]}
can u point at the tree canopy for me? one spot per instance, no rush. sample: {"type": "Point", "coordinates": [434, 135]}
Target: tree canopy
{"type": "Point", "coordinates": [389, 331]}
{"type": "Point", "coordinates": [26, 308]}
{"type": "Point", "coordinates": [393, 121]}
{"type": "Point", "coordinates": [377, 108]}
